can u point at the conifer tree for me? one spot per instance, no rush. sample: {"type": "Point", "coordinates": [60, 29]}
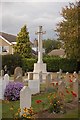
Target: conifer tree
{"type": "Point", "coordinates": [23, 46]}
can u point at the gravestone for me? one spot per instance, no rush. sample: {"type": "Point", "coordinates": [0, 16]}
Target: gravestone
{"type": "Point", "coordinates": [48, 81]}
{"type": "Point", "coordinates": [67, 79]}
{"type": "Point", "coordinates": [2, 73]}
{"type": "Point", "coordinates": [18, 74]}
{"type": "Point", "coordinates": [61, 87]}
{"type": "Point", "coordinates": [40, 76]}
{"type": "Point", "coordinates": [75, 76]}
{"type": "Point", "coordinates": [34, 85]}
{"type": "Point", "coordinates": [30, 76]}
{"type": "Point", "coordinates": [61, 91]}
{"type": "Point", "coordinates": [25, 99]}
{"type": "Point", "coordinates": [5, 80]}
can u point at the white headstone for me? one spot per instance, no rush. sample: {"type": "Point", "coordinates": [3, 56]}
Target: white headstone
{"type": "Point", "coordinates": [67, 78]}
{"type": "Point", "coordinates": [34, 85]}
{"type": "Point", "coordinates": [25, 99]}
{"type": "Point", "coordinates": [6, 80]}
{"type": "Point", "coordinates": [75, 76]}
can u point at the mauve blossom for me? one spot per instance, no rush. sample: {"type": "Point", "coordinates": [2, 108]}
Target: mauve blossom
{"type": "Point", "coordinates": [12, 91]}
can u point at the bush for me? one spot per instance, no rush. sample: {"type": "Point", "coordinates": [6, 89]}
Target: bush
{"type": "Point", "coordinates": [12, 61]}
{"type": "Point", "coordinates": [28, 64]}
{"type": "Point", "coordinates": [53, 63]}
{"type": "Point", "coordinates": [68, 65]}
{"type": "Point", "coordinates": [55, 105]}
{"type": "Point", "coordinates": [12, 91]}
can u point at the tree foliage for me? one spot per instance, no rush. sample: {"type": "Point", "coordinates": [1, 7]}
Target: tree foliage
{"type": "Point", "coordinates": [49, 45]}
{"type": "Point", "coordinates": [23, 46]}
{"type": "Point", "coordinates": [68, 32]}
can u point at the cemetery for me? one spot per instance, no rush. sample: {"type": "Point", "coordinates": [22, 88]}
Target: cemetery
{"type": "Point", "coordinates": [37, 80]}
{"type": "Point", "coordinates": [39, 94]}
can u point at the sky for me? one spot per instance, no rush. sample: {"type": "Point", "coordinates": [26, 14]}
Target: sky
{"type": "Point", "coordinates": [15, 15]}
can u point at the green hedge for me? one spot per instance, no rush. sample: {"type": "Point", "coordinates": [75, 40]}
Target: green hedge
{"type": "Point", "coordinates": [12, 61]}
{"type": "Point", "coordinates": [28, 64]}
{"type": "Point", "coordinates": [53, 63]}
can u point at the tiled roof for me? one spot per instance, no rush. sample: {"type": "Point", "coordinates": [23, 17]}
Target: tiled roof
{"type": "Point", "coordinates": [9, 37]}
{"type": "Point", "coordinates": [57, 52]}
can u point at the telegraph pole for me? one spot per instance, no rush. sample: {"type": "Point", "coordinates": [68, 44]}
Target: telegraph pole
{"type": "Point", "coordinates": [40, 48]}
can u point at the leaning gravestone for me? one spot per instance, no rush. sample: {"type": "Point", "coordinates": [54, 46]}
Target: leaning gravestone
{"type": "Point", "coordinates": [18, 74]}
{"type": "Point", "coordinates": [25, 99]}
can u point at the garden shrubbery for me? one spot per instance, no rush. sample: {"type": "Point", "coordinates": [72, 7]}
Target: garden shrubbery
{"type": "Point", "coordinates": [12, 91]}
{"type": "Point", "coordinates": [53, 63]}
{"type": "Point", "coordinates": [12, 61]}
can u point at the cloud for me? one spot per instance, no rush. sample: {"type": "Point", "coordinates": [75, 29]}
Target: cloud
{"type": "Point", "coordinates": [16, 14]}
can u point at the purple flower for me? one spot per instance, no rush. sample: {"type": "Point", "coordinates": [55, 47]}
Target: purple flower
{"type": "Point", "coordinates": [12, 91]}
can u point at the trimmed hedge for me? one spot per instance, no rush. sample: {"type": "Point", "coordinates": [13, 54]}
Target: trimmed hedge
{"type": "Point", "coordinates": [12, 61]}
{"type": "Point", "coordinates": [53, 63]}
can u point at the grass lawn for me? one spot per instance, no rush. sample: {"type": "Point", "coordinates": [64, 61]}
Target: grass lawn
{"type": "Point", "coordinates": [7, 113]}
{"type": "Point", "coordinates": [6, 106]}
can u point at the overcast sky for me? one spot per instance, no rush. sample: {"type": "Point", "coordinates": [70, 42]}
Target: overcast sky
{"type": "Point", "coordinates": [33, 14]}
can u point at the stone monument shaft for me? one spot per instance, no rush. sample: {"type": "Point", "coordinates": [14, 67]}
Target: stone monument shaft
{"type": "Point", "coordinates": [40, 49]}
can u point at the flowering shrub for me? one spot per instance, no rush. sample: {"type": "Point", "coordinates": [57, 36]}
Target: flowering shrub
{"type": "Point", "coordinates": [38, 101]}
{"type": "Point", "coordinates": [27, 113]}
{"type": "Point", "coordinates": [12, 91]}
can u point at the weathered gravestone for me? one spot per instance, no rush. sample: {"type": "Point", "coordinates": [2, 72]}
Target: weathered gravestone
{"type": "Point", "coordinates": [61, 91]}
{"type": "Point", "coordinates": [25, 99]}
{"type": "Point", "coordinates": [18, 74]}
{"type": "Point", "coordinates": [34, 85]}
{"type": "Point", "coordinates": [48, 81]}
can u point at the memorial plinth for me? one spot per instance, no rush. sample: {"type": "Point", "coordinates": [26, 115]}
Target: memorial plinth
{"type": "Point", "coordinates": [39, 66]}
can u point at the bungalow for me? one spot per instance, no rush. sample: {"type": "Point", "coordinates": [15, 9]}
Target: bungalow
{"type": "Point", "coordinates": [7, 41]}
{"type": "Point", "coordinates": [57, 52]}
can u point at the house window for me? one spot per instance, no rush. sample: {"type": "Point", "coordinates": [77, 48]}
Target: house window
{"type": "Point", "coordinates": [5, 49]}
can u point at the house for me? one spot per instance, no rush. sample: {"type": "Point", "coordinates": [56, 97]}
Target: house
{"type": "Point", "coordinates": [57, 52]}
{"type": "Point", "coordinates": [7, 41]}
